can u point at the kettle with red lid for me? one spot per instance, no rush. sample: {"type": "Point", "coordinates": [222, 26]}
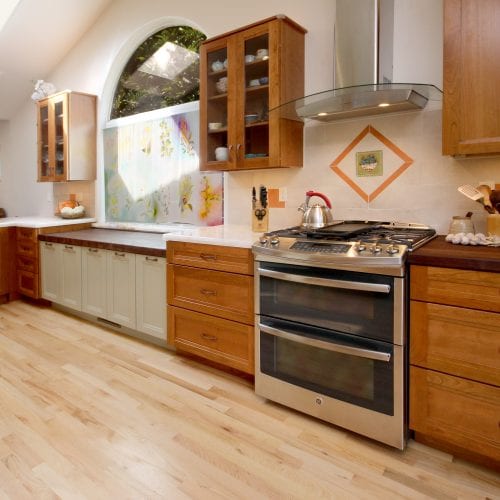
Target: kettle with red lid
{"type": "Point", "coordinates": [317, 215]}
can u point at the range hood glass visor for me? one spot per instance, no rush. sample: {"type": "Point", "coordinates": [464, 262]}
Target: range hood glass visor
{"type": "Point", "coordinates": [359, 100]}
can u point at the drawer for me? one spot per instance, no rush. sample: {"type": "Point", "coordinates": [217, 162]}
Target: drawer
{"type": "Point", "coordinates": [455, 340]}
{"type": "Point", "coordinates": [27, 247]}
{"type": "Point", "coordinates": [456, 411]}
{"type": "Point", "coordinates": [27, 263]}
{"type": "Point", "coordinates": [456, 287]}
{"type": "Point", "coordinates": [225, 295]}
{"type": "Point", "coordinates": [27, 233]}
{"type": "Point", "coordinates": [219, 340]}
{"type": "Point", "coordinates": [219, 258]}
{"type": "Point", "coordinates": [28, 284]}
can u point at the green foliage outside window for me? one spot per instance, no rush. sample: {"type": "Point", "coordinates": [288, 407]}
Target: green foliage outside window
{"type": "Point", "coordinates": [162, 72]}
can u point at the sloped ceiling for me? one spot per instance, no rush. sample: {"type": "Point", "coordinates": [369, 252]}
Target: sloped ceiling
{"type": "Point", "coordinates": [34, 39]}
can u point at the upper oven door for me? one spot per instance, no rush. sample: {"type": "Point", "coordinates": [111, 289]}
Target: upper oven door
{"type": "Point", "coordinates": [367, 305]}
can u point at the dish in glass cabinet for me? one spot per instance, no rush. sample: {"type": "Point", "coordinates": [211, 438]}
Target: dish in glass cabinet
{"type": "Point", "coordinates": [255, 155]}
{"type": "Point", "coordinates": [251, 118]}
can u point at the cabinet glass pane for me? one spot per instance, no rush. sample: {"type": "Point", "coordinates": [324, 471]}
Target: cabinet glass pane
{"type": "Point", "coordinates": [217, 87]}
{"type": "Point", "coordinates": [59, 137]}
{"type": "Point", "coordinates": [257, 97]}
{"type": "Point", "coordinates": [44, 141]}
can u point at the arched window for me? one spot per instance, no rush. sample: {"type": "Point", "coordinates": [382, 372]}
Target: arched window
{"type": "Point", "coordinates": [162, 72]}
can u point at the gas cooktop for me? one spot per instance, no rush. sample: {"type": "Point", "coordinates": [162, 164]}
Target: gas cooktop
{"type": "Point", "coordinates": [396, 233]}
{"type": "Point", "coordinates": [368, 246]}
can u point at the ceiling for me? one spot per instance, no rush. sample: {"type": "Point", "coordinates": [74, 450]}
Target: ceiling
{"type": "Point", "coordinates": [36, 36]}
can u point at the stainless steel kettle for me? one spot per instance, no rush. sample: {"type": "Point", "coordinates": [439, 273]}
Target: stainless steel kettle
{"type": "Point", "coordinates": [316, 216]}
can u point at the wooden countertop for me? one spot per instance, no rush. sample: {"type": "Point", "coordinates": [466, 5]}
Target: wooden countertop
{"type": "Point", "coordinates": [112, 239]}
{"type": "Point", "coordinates": [441, 253]}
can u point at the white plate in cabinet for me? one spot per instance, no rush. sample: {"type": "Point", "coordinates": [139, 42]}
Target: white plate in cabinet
{"type": "Point", "coordinates": [150, 295]}
{"type": "Point", "coordinates": [94, 280]}
{"type": "Point", "coordinates": [121, 288]}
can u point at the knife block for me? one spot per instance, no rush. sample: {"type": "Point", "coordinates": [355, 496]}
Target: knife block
{"type": "Point", "coordinates": [260, 218]}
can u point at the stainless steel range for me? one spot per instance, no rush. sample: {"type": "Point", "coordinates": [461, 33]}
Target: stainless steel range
{"type": "Point", "coordinates": [331, 320]}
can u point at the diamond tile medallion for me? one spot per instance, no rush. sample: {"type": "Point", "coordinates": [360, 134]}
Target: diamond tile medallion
{"type": "Point", "coordinates": [370, 188]}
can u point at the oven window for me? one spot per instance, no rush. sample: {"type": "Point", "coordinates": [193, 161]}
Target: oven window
{"type": "Point", "coordinates": [361, 312]}
{"type": "Point", "coordinates": [364, 382]}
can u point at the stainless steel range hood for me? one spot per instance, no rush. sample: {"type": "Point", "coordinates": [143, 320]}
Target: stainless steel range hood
{"type": "Point", "coordinates": [365, 45]}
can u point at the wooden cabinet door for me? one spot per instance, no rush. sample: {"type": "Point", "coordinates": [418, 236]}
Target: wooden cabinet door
{"type": "Point", "coordinates": [151, 283]}
{"type": "Point", "coordinates": [94, 279]}
{"type": "Point", "coordinates": [471, 102]}
{"type": "Point", "coordinates": [44, 151]}
{"type": "Point", "coordinates": [121, 288]}
{"type": "Point", "coordinates": [50, 270]}
{"type": "Point", "coordinates": [70, 284]}
{"type": "Point", "coordinates": [7, 239]}
{"type": "Point", "coordinates": [456, 411]}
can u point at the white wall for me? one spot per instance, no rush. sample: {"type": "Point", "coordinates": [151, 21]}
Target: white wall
{"type": "Point", "coordinates": [426, 192]}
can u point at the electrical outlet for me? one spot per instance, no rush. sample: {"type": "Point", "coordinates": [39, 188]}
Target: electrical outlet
{"type": "Point", "coordinates": [283, 194]}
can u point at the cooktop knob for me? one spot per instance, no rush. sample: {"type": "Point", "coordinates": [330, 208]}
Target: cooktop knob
{"type": "Point", "coordinates": [376, 248]}
{"type": "Point", "coordinates": [263, 240]}
{"type": "Point", "coordinates": [392, 249]}
{"type": "Point", "coordinates": [360, 247]}
{"type": "Point", "coordinates": [275, 241]}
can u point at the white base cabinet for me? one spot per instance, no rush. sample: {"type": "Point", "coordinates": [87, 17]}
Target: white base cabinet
{"type": "Point", "coordinates": [150, 295]}
{"type": "Point", "coordinates": [62, 274]}
{"type": "Point", "coordinates": [120, 290]}
{"type": "Point", "coordinates": [125, 288]}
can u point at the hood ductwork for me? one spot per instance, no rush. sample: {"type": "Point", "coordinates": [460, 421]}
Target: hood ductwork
{"type": "Point", "coordinates": [366, 52]}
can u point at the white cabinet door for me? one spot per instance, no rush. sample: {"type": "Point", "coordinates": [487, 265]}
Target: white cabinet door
{"type": "Point", "coordinates": [49, 270]}
{"type": "Point", "coordinates": [150, 295]}
{"type": "Point", "coordinates": [70, 270]}
{"type": "Point", "coordinates": [121, 288]}
{"type": "Point", "coordinates": [94, 278]}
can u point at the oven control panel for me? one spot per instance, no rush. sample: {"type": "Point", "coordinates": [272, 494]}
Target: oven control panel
{"type": "Point", "coordinates": [314, 246]}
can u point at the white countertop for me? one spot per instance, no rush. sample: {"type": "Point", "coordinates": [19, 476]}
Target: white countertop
{"type": "Point", "coordinates": [230, 235]}
{"type": "Point", "coordinates": [37, 222]}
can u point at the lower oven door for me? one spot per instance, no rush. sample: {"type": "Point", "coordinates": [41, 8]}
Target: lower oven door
{"type": "Point", "coordinates": [346, 380]}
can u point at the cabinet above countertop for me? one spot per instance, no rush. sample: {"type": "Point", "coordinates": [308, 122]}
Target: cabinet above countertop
{"type": "Point", "coordinates": [441, 253]}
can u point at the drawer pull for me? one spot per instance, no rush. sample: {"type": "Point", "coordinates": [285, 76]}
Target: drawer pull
{"type": "Point", "coordinates": [152, 259]}
{"type": "Point", "coordinates": [208, 256]}
{"type": "Point", "coordinates": [47, 244]}
{"type": "Point", "coordinates": [205, 291]}
{"type": "Point", "coordinates": [93, 250]}
{"type": "Point", "coordinates": [68, 247]}
{"type": "Point", "coordinates": [119, 254]}
{"type": "Point", "coordinates": [207, 336]}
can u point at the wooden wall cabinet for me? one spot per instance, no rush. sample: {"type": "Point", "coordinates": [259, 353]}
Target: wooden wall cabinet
{"type": "Point", "coordinates": [67, 137]}
{"type": "Point", "coordinates": [262, 66]}
{"type": "Point", "coordinates": [210, 303]}
{"type": "Point", "coordinates": [454, 364]}
{"type": "Point", "coordinates": [471, 102]}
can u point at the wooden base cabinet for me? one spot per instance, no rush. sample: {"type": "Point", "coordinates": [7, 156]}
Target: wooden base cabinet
{"type": "Point", "coordinates": [454, 363]}
{"type": "Point", "coordinates": [210, 303]}
{"type": "Point", "coordinates": [7, 273]}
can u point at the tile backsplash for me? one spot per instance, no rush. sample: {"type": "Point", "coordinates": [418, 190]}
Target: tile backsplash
{"type": "Point", "coordinates": [424, 191]}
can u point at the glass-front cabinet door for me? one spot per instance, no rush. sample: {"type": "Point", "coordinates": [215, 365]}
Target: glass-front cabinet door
{"type": "Point", "coordinates": [243, 75]}
{"type": "Point", "coordinates": [52, 139]}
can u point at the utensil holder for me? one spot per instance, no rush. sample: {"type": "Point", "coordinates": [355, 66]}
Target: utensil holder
{"type": "Point", "coordinates": [493, 224]}
{"type": "Point", "coordinates": [260, 218]}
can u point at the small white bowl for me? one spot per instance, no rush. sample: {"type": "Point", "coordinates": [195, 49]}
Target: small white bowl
{"type": "Point", "coordinates": [214, 126]}
{"type": "Point", "coordinates": [249, 58]}
{"type": "Point", "coordinates": [251, 118]}
{"type": "Point", "coordinates": [254, 83]}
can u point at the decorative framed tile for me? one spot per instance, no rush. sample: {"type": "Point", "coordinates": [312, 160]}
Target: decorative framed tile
{"type": "Point", "coordinates": [369, 163]}
{"type": "Point", "coordinates": [364, 186]}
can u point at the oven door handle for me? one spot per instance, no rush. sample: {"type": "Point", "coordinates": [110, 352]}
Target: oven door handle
{"type": "Point", "coordinates": [308, 280]}
{"type": "Point", "coordinates": [321, 344]}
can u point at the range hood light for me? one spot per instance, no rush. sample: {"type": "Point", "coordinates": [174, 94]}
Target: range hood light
{"type": "Point", "coordinates": [383, 105]}
{"type": "Point", "coordinates": [322, 114]}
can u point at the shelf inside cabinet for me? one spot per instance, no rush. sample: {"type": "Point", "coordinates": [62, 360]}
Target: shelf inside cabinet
{"type": "Point", "coordinates": [260, 123]}
{"type": "Point", "coordinates": [217, 97]}
{"type": "Point", "coordinates": [218, 131]}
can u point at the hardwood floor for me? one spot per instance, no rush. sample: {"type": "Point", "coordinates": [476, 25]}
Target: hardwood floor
{"type": "Point", "coordinates": [88, 413]}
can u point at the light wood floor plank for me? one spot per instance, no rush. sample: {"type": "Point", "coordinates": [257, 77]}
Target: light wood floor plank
{"type": "Point", "coordinates": [88, 413]}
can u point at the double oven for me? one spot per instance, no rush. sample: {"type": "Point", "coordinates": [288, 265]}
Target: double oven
{"type": "Point", "coordinates": [331, 342]}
